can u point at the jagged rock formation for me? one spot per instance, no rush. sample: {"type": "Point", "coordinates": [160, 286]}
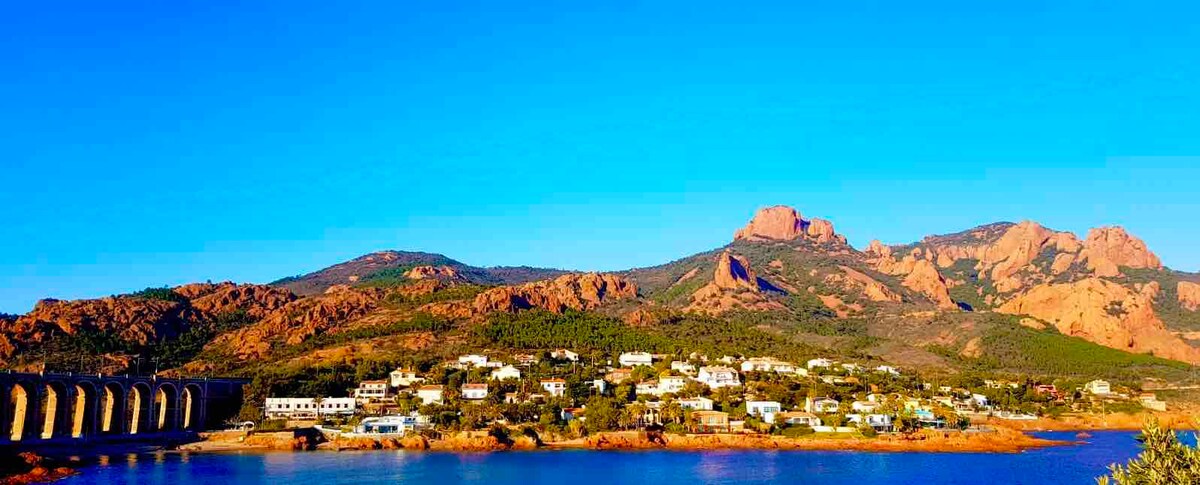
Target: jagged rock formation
{"type": "Point", "coordinates": [1189, 295]}
{"type": "Point", "coordinates": [435, 272]}
{"type": "Point", "coordinates": [568, 292]}
{"type": "Point", "coordinates": [734, 285]}
{"type": "Point", "coordinates": [925, 279]}
{"type": "Point", "coordinates": [782, 223]}
{"type": "Point", "coordinates": [300, 320]}
{"type": "Point", "coordinates": [1109, 248]}
{"type": "Point", "coordinates": [1103, 312]}
{"type": "Point", "coordinates": [870, 287]}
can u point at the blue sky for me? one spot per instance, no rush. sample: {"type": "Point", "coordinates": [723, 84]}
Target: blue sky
{"type": "Point", "coordinates": [152, 143]}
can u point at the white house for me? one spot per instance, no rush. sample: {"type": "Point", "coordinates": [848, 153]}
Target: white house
{"type": "Point", "coordinates": [852, 368]}
{"type": "Point", "coordinates": [373, 391]}
{"type": "Point", "coordinates": [473, 360]}
{"type": "Point", "coordinates": [798, 418]}
{"type": "Point", "coordinates": [980, 400]}
{"type": "Point", "coordinates": [564, 354]}
{"type": "Point", "coordinates": [393, 424]}
{"type": "Point", "coordinates": [683, 367]}
{"type": "Point", "coordinates": [821, 405]}
{"type": "Point", "coordinates": [880, 422]}
{"type": "Point", "coordinates": [430, 394]}
{"type": "Point", "coordinates": [525, 359]}
{"type": "Point", "coordinates": [474, 392]}
{"type": "Point", "coordinates": [887, 369]}
{"type": "Point", "coordinates": [718, 376]}
{"type": "Point", "coordinates": [662, 385]}
{"type": "Point", "coordinates": [864, 406]}
{"type": "Point", "coordinates": [764, 409]}
{"type": "Point", "coordinates": [819, 362]}
{"type": "Point", "coordinates": [1098, 387]}
{"type": "Point", "coordinates": [630, 359]}
{"type": "Point", "coordinates": [647, 387]}
{"type": "Point", "coordinates": [405, 378]}
{"type": "Point", "coordinates": [768, 364]}
{"type": "Point", "coordinates": [506, 372]}
{"type": "Point", "coordinates": [308, 407]}
{"type": "Point", "coordinates": [700, 403]}
{"type": "Point", "coordinates": [555, 387]}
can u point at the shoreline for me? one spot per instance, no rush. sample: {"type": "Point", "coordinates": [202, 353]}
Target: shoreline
{"type": "Point", "coordinates": [999, 440]}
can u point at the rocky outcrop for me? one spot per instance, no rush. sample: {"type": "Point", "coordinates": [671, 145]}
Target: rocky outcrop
{"type": "Point", "coordinates": [1189, 295]}
{"type": "Point", "coordinates": [301, 319]}
{"type": "Point", "coordinates": [1103, 312]}
{"type": "Point", "coordinates": [783, 223]}
{"type": "Point", "coordinates": [1109, 248]}
{"type": "Point", "coordinates": [580, 292]}
{"type": "Point", "coordinates": [432, 272]}
{"type": "Point", "coordinates": [878, 250]}
{"type": "Point", "coordinates": [734, 285]}
{"type": "Point", "coordinates": [256, 300]}
{"type": "Point", "coordinates": [925, 279]}
{"type": "Point", "coordinates": [870, 287]}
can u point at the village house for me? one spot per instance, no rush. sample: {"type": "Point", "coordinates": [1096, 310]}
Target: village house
{"type": "Point", "coordinates": [769, 364]}
{"type": "Point", "coordinates": [699, 403]}
{"type": "Point", "coordinates": [647, 387]}
{"type": "Point", "coordinates": [1150, 401]}
{"type": "Point", "coordinates": [797, 418]}
{"type": "Point", "coordinates": [474, 360]}
{"type": "Point", "coordinates": [887, 369]}
{"type": "Point", "coordinates": [819, 362]}
{"type": "Point", "coordinates": [474, 392]}
{"type": "Point", "coordinates": [404, 378]}
{"type": "Point", "coordinates": [571, 414]}
{"type": "Point", "coordinates": [821, 405]}
{"type": "Point", "coordinates": [1048, 389]}
{"type": "Point", "coordinates": [764, 409]}
{"type": "Point", "coordinates": [1098, 387]}
{"type": "Point", "coordinates": [525, 360]}
{"type": "Point", "coordinates": [617, 376]}
{"type": "Point", "coordinates": [711, 421]}
{"type": "Point", "coordinates": [554, 387]}
{"type": "Point", "coordinates": [683, 367]}
{"type": "Point", "coordinates": [430, 394]}
{"type": "Point", "coordinates": [599, 385]}
{"type": "Point", "coordinates": [630, 359]}
{"type": "Point", "coordinates": [662, 385]}
{"type": "Point", "coordinates": [864, 406]}
{"type": "Point", "coordinates": [393, 424]}
{"type": "Point", "coordinates": [506, 372]}
{"type": "Point", "coordinates": [564, 354]}
{"type": "Point", "coordinates": [308, 407]}
{"type": "Point", "coordinates": [512, 398]}
{"type": "Point", "coordinates": [368, 391]}
{"type": "Point", "coordinates": [718, 376]}
{"type": "Point", "coordinates": [879, 422]}
{"type": "Point", "coordinates": [852, 368]}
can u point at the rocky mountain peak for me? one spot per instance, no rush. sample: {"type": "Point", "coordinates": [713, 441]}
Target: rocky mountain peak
{"type": "Point", "coordinates": [1109, 248]}
{"type": "Point", "coordinates": [783, 223]}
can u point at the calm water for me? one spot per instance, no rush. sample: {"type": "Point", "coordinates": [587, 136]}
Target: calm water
{"type": "Point", "coordinates": [1061, 465]}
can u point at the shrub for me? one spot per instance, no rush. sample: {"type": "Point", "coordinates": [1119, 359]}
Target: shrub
{"type": "Point", "coordinates": [796, 431]}
{"type": "Point", "coordinates": [1164, 460]}
{"type": "Point", "coordinates": [868, 431]}
{"type": "Point", "coordinates": [272, 425]}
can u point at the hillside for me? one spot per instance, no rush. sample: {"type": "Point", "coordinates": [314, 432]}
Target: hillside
{"type": "Point", "coordinates": [999, 298]}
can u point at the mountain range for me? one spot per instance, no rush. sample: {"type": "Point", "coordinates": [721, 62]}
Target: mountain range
{"type": "Point", "coordinates": [1002, 297]}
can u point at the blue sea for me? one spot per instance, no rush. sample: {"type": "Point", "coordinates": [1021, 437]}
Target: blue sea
{"type": "Point", "coordinates": [1058, 465]}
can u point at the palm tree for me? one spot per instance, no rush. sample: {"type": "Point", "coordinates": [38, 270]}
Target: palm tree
{"type": "Point", "coordinates": [627, 419]}
{"type": "Point", "coordinates": [638, 410]}
{"type": "Point", "coordinates": [672, 411]}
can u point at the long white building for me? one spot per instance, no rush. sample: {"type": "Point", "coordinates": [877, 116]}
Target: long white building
{"type": "Point", "coordinates": [309, 408]}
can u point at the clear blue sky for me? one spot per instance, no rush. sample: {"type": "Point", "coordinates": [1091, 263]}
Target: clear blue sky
{"type": "Point", "coordinates": [151, 143]}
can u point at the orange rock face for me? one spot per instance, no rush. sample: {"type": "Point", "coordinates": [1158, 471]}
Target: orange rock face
{"type": "Point", "coordinates": [734, 272]}
{"type": "Point", "coordinates": [1103, 312]}
{"type": "Point", "coordinates": [567, 292]}
{"type": "Point", "coordinates": [782, 223]}
{"type": "Point", "coordinates": [1189, 295]}
{"type": "Point", "coordinates": [926, 280]}
{"type": "Point", "coordinates": [301, 319]}
{"type": "Point", "coordinates": [873, 289]}
{"type": "Point", "coordinates": [1109, 248]}
{"type": "Point", "coordinates": [734, 285]}
{"type": "Point", "coordinates": [427, 272]}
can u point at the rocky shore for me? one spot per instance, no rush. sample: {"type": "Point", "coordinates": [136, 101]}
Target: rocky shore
{"type": "Point", "coordinates": [998, 440]}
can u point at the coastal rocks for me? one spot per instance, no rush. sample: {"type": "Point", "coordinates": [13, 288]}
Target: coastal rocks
{"type": "Point", "coordinates": [1109, 248]}
{"type": "Point", "coordinates": [1189, 295]}
{"type": "Point", "coordinates": [783, 223]}
{"type": "Point", "coordinates": [1105, 313]}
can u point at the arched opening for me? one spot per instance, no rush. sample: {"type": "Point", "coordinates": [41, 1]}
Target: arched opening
{"type": "Point", "coordinates": [166, 407]}
{"type": "Point", "coordinates": [55, 410]}
{"type": "Point", "coordinates": [112, 409]}
{"type": "Point", "coordinates": [193, 415]}
{"type": "Point", "coordinates": [84, 413]}
{"type": "Point", "coordinates": [18, 415]}
{"type": "Point", "coordinates": [137, 409]}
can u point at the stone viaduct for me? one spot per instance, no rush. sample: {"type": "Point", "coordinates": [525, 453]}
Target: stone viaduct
{"type": "Point", "coordinates": [67, 408]}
